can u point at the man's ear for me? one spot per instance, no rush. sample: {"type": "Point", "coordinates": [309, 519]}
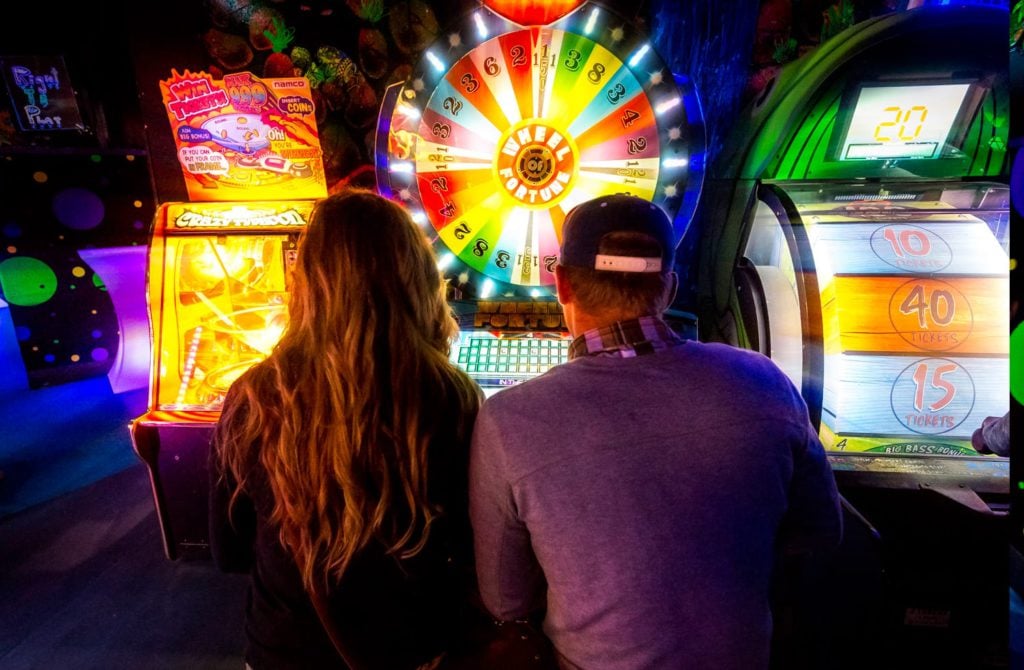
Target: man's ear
{"type": "Point", "coordinates": [673, 289]}
{"type": "Point", "coordinates": [562, 286]}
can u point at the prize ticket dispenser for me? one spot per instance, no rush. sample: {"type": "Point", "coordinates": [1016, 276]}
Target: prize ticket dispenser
{"type": "Point", "coordinates": [219, 276]}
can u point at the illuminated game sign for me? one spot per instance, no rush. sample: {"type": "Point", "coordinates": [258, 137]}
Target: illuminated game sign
{"type": "Point", "coordinates": [41, 93]}
{"type": "Point", "coordinates": [245, 137]}
{"type": "Point", "coordinates": [902, 122]}
{"type": "Point", "coordinates": [240, 217]}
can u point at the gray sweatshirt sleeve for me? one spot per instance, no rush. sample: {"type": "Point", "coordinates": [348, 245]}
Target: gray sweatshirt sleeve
{"type": "Point", "coordinates": [511, 582]}
{"type": "Point", "coordinates": [814, 517]}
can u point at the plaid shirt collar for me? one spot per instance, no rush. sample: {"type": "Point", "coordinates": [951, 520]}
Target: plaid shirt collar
{"type": "Point", "coordinates": [626, 339]}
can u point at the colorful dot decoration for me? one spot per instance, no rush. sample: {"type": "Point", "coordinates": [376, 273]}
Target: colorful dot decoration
{"type": "Point", "coordinates": [27, 281]}
{"type": "Point", "coordinates": [78, 208]}
{"type": "Point", "coordinates": [65, 321]}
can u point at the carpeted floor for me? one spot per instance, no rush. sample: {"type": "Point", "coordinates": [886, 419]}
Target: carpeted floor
{"type": "Point", "coordinates": [60, 438]}
{"type": "Point", "coordinates": [85, 584]}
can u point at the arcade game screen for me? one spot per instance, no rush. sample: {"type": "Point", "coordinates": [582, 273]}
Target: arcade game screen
{"type": "Point", "coordinates": [219, 277]}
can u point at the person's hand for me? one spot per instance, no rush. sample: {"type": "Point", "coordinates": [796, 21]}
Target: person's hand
{"type": "Point", "coordinates": [978, 437]}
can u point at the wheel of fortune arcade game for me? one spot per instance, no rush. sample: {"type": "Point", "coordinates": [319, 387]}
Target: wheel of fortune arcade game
{"type": "Point", "coordinates": [503, 127]}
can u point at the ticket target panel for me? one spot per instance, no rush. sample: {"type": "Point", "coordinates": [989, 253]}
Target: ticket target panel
{"type": "Point", "coordinates": [491, 142]}
{"type": "Point", "coordinates": [910, 295]}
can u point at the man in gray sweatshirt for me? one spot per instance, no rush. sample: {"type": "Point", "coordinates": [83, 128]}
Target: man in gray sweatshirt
{"type": "Point", "coordinates": [639, 494]}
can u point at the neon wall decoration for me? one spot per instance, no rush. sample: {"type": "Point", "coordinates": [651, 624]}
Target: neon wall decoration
{"type": "Point", "coordinates": [66, 211]}
{"type": "Point", "coordinates": [42, 97]}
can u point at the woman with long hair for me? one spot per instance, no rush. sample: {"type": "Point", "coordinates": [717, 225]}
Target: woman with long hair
{"type": "Point", "coordinates": [338, 467]}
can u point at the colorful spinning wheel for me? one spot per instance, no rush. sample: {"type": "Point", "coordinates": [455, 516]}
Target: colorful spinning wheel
{"type": "Point", "coordinates": [491, 144]}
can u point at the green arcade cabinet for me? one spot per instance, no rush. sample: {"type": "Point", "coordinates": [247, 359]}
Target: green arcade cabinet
{"type": "Point", "coordinates": [860, 234]}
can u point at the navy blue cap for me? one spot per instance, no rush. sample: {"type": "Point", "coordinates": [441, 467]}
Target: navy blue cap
{"type": "Point", "coordinates": [588, 223]}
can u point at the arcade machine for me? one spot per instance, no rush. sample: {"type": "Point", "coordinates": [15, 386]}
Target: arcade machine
{"type": "Point", "coordinates": [219, 272]}
{"type": "Point", "coordinates": [514, 117]}
{"type": "Point", "coordinates": [864, 248]}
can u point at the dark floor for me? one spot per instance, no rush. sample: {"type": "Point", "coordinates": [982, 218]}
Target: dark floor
{"type": "Point", "coordinates": [85, 584]}
{"type": "Point", "coordinates": [61, 438]}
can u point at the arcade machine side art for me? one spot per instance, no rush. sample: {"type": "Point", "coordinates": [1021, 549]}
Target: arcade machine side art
{"type": "Point", "coordinates": [864, 249]}
{"type": "Point", "coordinates": [219, 272]}
{"type": "Point", "coordinates": [506, 125]}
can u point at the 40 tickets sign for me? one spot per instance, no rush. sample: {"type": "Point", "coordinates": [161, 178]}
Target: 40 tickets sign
{"type": "Point", "coordinates": [245, 138]}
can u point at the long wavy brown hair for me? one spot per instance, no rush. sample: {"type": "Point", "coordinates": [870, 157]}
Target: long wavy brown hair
{"type": "Point", "coordinates": [343, 411]}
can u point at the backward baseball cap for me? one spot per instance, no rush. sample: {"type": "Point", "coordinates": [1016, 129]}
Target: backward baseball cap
{"type": "Point", "coordinates": [587, 225]}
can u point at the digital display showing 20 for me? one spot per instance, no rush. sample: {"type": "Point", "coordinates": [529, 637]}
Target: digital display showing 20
{"type": "Point", "coordinates": [897, 122]}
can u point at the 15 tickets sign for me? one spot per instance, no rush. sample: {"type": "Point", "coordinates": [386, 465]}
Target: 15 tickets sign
{"type": "Point", "coordinates": [245, 138]}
